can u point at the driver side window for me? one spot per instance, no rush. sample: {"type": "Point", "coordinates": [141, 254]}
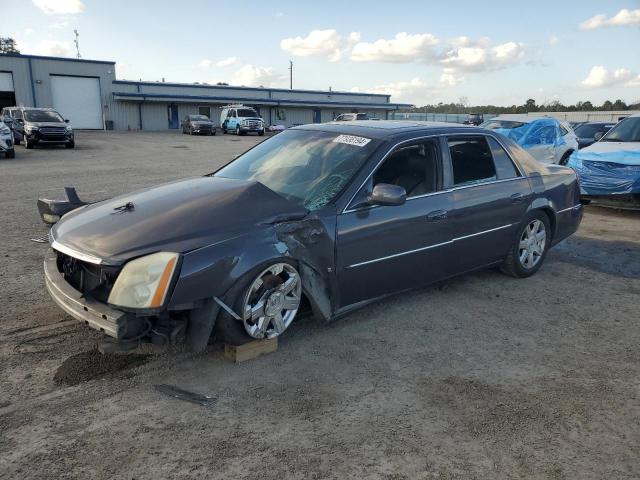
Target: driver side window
{"type": "Point", "coordinates": [414, 167]}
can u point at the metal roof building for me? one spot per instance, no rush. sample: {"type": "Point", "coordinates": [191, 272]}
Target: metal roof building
{"type": "Point", "coordinates": [89, 95]}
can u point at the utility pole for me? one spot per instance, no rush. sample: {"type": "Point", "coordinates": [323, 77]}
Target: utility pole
{"type": "Point", "coordinates": [77, 43]}
{"type": "Point", "coordinates": [290, 75]}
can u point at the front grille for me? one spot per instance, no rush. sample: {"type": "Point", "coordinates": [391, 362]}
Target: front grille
{"type": "Point", "coordinates": [51, 133]}
{"type": "Point", "coordinates": [253, 123]}
{"type": "Point", "coordinates": [88, 278]}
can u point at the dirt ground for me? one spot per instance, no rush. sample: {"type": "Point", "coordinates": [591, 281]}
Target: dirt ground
{"type": "Point", "coordinates": [486, 377]}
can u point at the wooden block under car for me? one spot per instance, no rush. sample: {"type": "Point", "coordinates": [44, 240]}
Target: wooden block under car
{"type": "Point", "coordinates": [250, 350]}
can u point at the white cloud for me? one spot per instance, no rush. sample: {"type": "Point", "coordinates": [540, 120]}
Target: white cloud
{"type": "Point", "coordinates": [623, 17]}
{"type": "Point", "coordinates": [601, 77]}
{"type": "Point", "coordinates": [205, 63]}
{"type": "Point", "coordinates": [227, 62]}
{"type": "Point", "coordinates": [279, 14]}
{"type": "Point", "coordinates": [28, 31]}
{"type": "Point", "coordinates": [54, 48]}
{"type": "Point", "coordinates": [59, 25]}
{"type": "Point", "coordinates": [450, 78]}
{"type": "Point", "coordinates": [403, 48]}
{"type": "Point", "coordinates": [553, 40]}
{"type": "Point", "coordinates": [408, 91]}
{"type": "Point", "coordinates": [478, 58]}
{"type": "Point", "coordinates": [253, 76]}
{"type": "Point", "coordinates": [59, 7]}
{"type": "Point", "coordinates": [320, 43]}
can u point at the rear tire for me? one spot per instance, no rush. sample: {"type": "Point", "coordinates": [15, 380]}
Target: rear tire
{"type": "Point", "coordinates": [530, 246]}
{"type": "Point", "coordinates": [16, 141]}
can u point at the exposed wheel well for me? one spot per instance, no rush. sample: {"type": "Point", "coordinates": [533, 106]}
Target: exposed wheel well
{"type": "Point", "coordinates": [552, 219]}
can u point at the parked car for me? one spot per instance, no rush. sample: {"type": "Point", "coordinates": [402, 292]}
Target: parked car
{"type": "Point", "coordinates": [474, 119]}
{"type": "Point", "coordinates": [241, 120]}
{"type": "Point", "coordinates": [35, 126]}
{"type": "Point", "coordinates": [6, 141]}
{"type": "Point", "coordinates": [332, 216]}
{"type": "Point", "coordinates": [198, 124]}
{"type": "Point", "coordinates": [609, 170]}
{"type": "Point", "coordinates": [350, 117]}
{"type": "Point", "coordinates": [588, 131]}
{"type": "Point", "coordinates": [546, 139]}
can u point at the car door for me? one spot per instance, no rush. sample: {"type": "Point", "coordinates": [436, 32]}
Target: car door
{"type": "Point", "coordinates": [489, 198]}
{"type": "Point", "coordinates": [231, 119]}
{"type": "Point", "coordinates": [386, 249]}
{"type": "Point", "coordinates": [540, 141]}
{"type": "Point", "coordinates": [18, 124]}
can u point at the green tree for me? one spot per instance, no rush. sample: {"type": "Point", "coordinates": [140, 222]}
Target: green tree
{"type": "Point", "coordinates": [8, 45]}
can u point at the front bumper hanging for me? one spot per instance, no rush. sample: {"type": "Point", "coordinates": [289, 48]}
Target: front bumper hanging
{"type": "Point", "coordinates": [97, 315]}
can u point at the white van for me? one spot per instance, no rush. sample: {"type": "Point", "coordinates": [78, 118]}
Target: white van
{"type": "Point", "coordinates": [241, 120]}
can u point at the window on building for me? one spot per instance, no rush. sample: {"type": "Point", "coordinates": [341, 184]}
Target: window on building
{"type": "Point", "coordinates": [205, 111]}
{"type": "Point", "coordinates": [471, 160]}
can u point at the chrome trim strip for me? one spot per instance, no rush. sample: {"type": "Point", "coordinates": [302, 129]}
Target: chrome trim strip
{"type": "Point", "coordinates": [428, 247]}
{"type": "Point", "coordinates": [575, 207]}
{"type": "Point", "coordinates": [85, 257]}
{"type": "Point", "coordinates": [436, 135]}
{"type": "Point", "coordinates": [483, 232]}
{"type": "Point", "coordinates": [399, 254]}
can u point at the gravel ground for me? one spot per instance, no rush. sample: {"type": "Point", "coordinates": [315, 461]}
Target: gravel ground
{"type": "Point", "coordinates": [484, 377]}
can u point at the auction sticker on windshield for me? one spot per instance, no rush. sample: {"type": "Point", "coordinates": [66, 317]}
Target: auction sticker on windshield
{"type": "Point", "coordinates": [352, 140]}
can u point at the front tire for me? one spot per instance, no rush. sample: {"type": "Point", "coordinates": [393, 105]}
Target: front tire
{"type": "Point", "coordinates": [267, 300]}
{"type": "Point", "coordinates": [261, 132]}
{"type": "Point", "coordinates": [27, 144]}
{"type": "Point", "coordinates": [238, 131]}
{"type": "Point", "coordinates": [530, 246]}
{"type": "Point", "coordinates": [11, 153]}
{"type": "Point", "coordinates": [71, 144]}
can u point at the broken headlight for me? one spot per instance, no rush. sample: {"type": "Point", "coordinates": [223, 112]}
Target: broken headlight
{"type": "Point", "coordinates": [145, 281]}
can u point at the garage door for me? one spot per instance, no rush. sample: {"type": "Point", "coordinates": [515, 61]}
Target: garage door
{"type": "Point", "coordinates": [7, 96]}
{"type": "Point", "coordinates": [6, 82]}
{"type": "Point", "coordinates": [78, 99]}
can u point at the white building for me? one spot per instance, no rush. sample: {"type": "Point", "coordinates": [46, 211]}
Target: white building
{"type": "Point", "coordinates": [89, 95]}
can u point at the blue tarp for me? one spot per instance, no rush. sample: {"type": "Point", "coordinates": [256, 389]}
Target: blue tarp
{"type": "Point", "coordinates": [614, 172]}
{"type": "Point", "coordinates": [541, 138]}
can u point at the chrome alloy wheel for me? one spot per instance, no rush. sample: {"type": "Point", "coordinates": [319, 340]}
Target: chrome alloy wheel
{"type": "Point", "coordinates": [272, 301]}
{"type": "Point", "coordinates": [532, 243]}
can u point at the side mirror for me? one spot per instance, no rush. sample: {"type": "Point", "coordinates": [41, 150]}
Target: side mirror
{"type": "Point", "coordinates": [598, 136]}
{"type": "Point", "coordinates": [387, 194]}
{"type": "Point", "coordinates": [66, 120]}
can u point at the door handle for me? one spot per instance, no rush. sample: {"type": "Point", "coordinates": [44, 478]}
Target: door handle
{"type": "Point", "coordinates": [517, 197]}
{"type": "Point", "coordinates": [437, 215]}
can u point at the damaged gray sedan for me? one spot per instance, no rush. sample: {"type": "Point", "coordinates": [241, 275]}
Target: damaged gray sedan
{"type": "Point", "coordinates": [324, 218]}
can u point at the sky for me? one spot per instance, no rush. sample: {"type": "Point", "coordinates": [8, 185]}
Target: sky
{"type": "Point", "coordinates": [491, 52]}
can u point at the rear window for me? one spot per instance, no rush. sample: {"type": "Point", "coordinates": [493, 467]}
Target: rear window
{"type": "Point", "coordinates": [471, 160]}
{"type": "Point", "coordinates": [504, 166]}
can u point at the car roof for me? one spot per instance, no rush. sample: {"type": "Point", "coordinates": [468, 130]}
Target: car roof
{"type": "Point", "coordinates": [518, 118]}
{"type": "Point", "coordinates": [382, 129]}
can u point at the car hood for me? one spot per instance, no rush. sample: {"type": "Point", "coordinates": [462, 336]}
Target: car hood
{"type": "Point", "coordinates": [624, 153]}
{"type": "Point", "coordinates": [46, 124]}
{"type": "Point", "coordinates": [177, 217]}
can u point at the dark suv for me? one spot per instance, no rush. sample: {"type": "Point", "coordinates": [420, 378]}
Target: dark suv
{"type": "Point", "coordinates": [198, 124]}
{"type": "Point", "coordinates": [35, 126]}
